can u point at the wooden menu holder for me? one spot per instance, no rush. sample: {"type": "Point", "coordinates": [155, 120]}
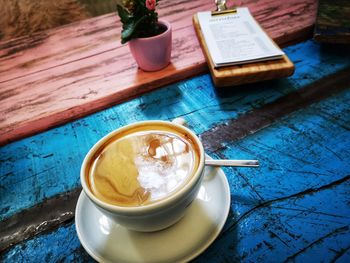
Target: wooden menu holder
{"type": "Point", "coordinates": [243, 73]}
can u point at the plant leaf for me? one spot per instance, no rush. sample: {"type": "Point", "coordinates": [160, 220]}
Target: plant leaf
{"type": "Point", "coordinates": [129, 29]}
{"type": "Point", "coordinates": [124, 15]}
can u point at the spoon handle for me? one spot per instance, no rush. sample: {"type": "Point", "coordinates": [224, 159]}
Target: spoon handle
{"type": "Point", "coordinates": [237, 163]}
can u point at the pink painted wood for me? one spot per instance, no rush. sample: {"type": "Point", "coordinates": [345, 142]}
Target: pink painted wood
{"type": "Point", "coordinates": [58, 75]}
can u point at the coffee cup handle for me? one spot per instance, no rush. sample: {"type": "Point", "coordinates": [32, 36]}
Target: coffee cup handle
{"type": "Point", "coordinates": [180, 121]}
{"type": "Point", "coordinates": [209, 174]}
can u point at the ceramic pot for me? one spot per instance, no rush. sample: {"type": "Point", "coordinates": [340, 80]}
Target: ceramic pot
{"type": "Point", "coordinates": [153, 53]}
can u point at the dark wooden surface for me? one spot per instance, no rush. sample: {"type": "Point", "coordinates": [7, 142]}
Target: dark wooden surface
{"type": "Point", "coordinates": [333, 22]}
{"type": "Point", "coordinates": [55, 76]}
{"type": "Point", "coordinates": [294, 208]}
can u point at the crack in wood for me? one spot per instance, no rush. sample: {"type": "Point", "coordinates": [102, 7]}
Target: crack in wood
{"type": "Point", "coordinates": [274, 235]}
{"type": "Point", "coordinates": [340, 253]}
{"type": "Point", "coordinates": [301, 194]}
{"type": "Point", "coordinates": [59, 65]}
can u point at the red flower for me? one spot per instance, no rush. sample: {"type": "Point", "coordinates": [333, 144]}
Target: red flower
{"type": "Point", "coordinates": [151, 5]}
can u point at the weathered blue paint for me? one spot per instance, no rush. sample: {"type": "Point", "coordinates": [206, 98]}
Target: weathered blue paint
{"type": "Point", "coordinates": [274, 215]}
{"type": "Point", "coordinates": [44, 165]}
{"type": "Point", "coordinates": [62, 245]}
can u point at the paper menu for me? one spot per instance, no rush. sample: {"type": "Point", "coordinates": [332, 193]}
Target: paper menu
{"type": "Point", "coordinates": [236, 38]}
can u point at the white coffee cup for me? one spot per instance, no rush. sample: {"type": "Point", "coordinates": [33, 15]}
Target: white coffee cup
{"type": "Point", "coordinates": [154, 216]}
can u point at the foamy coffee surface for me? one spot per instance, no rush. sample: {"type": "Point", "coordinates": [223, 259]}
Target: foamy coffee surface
{"type": "Point", "coordinates": [142, 167]}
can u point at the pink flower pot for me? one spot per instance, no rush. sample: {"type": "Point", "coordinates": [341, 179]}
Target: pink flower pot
{"type": "Point", "coordinates": [153, 53]}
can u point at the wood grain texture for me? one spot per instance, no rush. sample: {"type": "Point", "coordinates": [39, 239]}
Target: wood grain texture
{"type": "Point", "coordinates": [64, 243]}
{"type": "Point", "coordinates": [215, 141]}
{"type": "Point", "coordinates": [282, 208]}
{"type": "Point", "coordinates": [262, 117]}
{"type": "Point", "coordinates": [59, 75]}
{"type": "Point", "coordinates": [297, 206]}
{"type": "Point", "coordinates": [35, 170]}
{"type": "Point", "coordinates": [244, 73]}
{"type": "Point", "coordinates": [50, 161]}
{"type": "Point", "coordinates": [38, 219]}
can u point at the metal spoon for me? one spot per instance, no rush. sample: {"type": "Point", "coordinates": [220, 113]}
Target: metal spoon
{"type": "Point", "coordinates": [236, 163]}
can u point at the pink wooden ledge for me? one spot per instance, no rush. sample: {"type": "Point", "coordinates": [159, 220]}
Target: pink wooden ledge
{"type": "Point", "coordinates": [58, 75]}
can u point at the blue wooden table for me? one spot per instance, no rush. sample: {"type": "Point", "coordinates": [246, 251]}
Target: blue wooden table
{"type": "Point", "coordinates": [294, 208]}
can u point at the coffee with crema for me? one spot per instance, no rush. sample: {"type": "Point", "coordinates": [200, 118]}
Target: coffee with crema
{"type": "Point", "coordinates": [142, 165]}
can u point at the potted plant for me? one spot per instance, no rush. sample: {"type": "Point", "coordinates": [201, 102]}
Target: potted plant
{"type": "Point", "coordinates": [149, 39]}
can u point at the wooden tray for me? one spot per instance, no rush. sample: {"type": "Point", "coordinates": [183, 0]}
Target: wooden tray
{"type": "Point", "coordinates": [245, 73]}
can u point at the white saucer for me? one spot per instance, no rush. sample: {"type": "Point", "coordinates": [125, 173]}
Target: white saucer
{"type": "Point", "coordinates": [106, 241]}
